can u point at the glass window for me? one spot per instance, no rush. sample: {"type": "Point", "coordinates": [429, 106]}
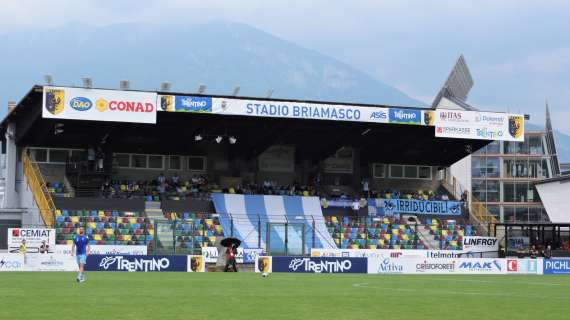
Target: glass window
{"type": "Point", "coordinates": [425, 172]}
{"type": "Point", "coordinates": [493, 170]}
{"type": "Point", "coordinates": [139, 161]}
{"type": "Point", "coordinates": [411, 172]}
{"type": "Point", "coordinates": [39, 155]}
{"type": "Point", "coordinates": [485, 167]}
{"type": "Point", "coordinates": [155, 162]}
{"type": "Point", "coordinates": [493, 191]}
{"type": "Point", "coordinates": [516, 168]}
{"type": "Point", "coordinates": [477, 165]}
{"type": "Point", "coordinates": [174, 163]}
{"type": "Point", "coordinates": [58, 155]}
{"type": "Point", "coordinates": [479, 187]}
{"type": "Point", "coordinates": [494, 147]}
{"type": "Point", "coordinates": [521, 214]}
{"type": "Point", "coordinates": [396, 171]}
{"type": "Point", "coordinates": [494, 210]}
{"type": "Point", "coordinates": [196, 163]}
{"type": "Point", "coordinates": [78, 155]}
{"type": "Point", "coordinates": [535, 145]}
{"type": "Point", "coordinates": [123, 160]}
{"type": "Point", "coordinates": [509, 214]}
{"type": "Point", "coordinates": [378, 170]}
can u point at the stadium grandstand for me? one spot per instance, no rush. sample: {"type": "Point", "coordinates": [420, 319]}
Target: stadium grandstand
{"type": "Point", "coordinates": [178, 171]}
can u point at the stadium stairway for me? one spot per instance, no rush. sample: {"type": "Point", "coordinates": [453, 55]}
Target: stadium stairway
{"type": "Point", "coordinates": [428, 239]}
{"type": "Point", "coordinates": [153, 209]}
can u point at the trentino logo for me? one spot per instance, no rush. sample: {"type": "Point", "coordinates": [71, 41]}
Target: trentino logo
{"type": "Point", "coordinates": [308, 265]}
{"type": "Point", "coordinates": [137, 264]}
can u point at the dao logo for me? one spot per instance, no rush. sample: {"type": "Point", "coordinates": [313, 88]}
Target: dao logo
{"type": "Point", "coordinates": [80, 104]}
{"type": "Point", "coordinates": [54, 103]}
{"type": "Point", "coordinates": [512, 265]}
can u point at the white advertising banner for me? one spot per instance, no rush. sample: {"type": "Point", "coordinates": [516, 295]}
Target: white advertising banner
{"type": "Point", "coordinates": [37, 240]}
{"type": "Point", "coordinates": [480, 244]}
{"type": "Point", "coordinates": [50, 262]}
{"type": "Point", "coordinates": [99, 105]}
{"type": "Point", "coordinates": [386, 253]}
{"type": "Point", "coordinates": [106, 249]}
{"type": "Point", "coordinates": [210, 254]}
{"type": "Point", "coordinates": [524, 266]}
{"type": "Point", "coordinates": [11, 262]}
{"type": "Point", "coordinates": [413, 265]}
{"type": "Point", "coordinates": [479, 125]}
{"type": "Point", "coordinates": [299, 110]}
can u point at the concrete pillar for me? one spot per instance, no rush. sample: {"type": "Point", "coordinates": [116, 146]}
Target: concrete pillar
{"type": "Point", "coordinates": [11, 196]}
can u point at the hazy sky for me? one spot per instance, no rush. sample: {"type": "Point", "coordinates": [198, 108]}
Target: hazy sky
{"type": "Point", "coordinates": [518, 51]}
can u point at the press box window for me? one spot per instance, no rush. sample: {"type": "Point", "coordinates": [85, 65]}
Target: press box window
{"type": "Point", "coordinates": [39, 155]}
{"type": "Point", "coordinates": [123, 160]}
{"type": "Point", "coordinates": [58, 156]}
{"type": "Point", "coordinates": [139, 161]}
{"type": "Point", "coordinates": [196, 163]}
{"type": "Point", "coordinates": [411, 172]}
{"type": "Point", "coordinates": [174, 163]}
{"type": "Point", "coordinates": [425, 172]}
{"type": "Point", "coordinates": [155, 162]}
{"type": "Point", "coordinates": [378, 170]}
{"type": "Point", "coordinates": [396, 171]}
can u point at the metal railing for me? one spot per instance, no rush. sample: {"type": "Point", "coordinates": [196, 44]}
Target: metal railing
{"type": "Point", "coordinates": [39, 190]}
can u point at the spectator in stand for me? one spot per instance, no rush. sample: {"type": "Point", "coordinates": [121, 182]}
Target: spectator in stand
{"type": "Point", "coordinates": [547, 252]}
{"type": "Point", "coordinates": [44, 247]}
{"type": "Point", "coordinates": [533, 252]}
{"type": "Point", "coordinates": [365, 188]}
{"type": "Point", "coordinates": [175, 180]}
{"type": "Point", "coordinates": [161, 179]}
{"type": "Point", "coordinates": [91, 159]}
{"type": "Point", "coordinates": [100, 159]}
{"type": "Point", "coordinates": [106, 189]}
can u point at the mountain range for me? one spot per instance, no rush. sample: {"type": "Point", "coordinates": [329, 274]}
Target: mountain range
{"type": "Point", "coordinates": [220, 55]}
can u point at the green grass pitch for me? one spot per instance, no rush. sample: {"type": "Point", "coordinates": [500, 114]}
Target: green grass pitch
{"type": "Point", "coordinates": [116, 295]}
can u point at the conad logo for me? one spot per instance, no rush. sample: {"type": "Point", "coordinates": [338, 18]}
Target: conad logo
{"type": "Point", "coordinates": [80, 103]}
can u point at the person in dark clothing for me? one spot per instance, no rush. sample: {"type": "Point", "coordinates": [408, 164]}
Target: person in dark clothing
{"type": "Point", "coordinates": [231, 253]}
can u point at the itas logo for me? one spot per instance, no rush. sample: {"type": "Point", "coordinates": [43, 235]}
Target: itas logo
{"type": "Point", "coordinates": [451, 116]}
{"type": "Point", "coordinates": [379, 115]}
{"type": "Point", "coordinates": [395, 254]}
{"type": "Point", "coordinates": [512, 265]}
{"type": "Point", "coordinates": [80, 103]}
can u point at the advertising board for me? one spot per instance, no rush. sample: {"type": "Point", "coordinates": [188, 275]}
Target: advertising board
{"type": "Point", "coordinates": [34, 237]}
{"type": "Point", "coordinates": [319, 265]}
{"type": "Point", "coordinates": [127, 263]}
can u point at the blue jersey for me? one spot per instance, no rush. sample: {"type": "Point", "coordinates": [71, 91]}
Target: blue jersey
{"type": "Point", "coordinates": [80, 244]}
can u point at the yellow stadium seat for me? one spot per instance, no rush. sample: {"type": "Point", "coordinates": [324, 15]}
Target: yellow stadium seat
{"type": "Point", "coordinates": [434, 221]}
{"type": "Point", "coordinates": [127, 237]}
{"type": "Point", "coordinates": [387, 236]}
{"type": "Point", "coordinates": [395, 231]}
{"type": "Point", "coordinates": [381, 242]}
{"type": "Point", "coordinates": [208, 222]}
{"type": "Point", "coordinates": [363, 236]}
{"type": "Point", "coordinates": [354, 246]}
{"type": "Point", "coordinates": [405, 237]}
{"type": "Point", "coordinates": [92, 225]}
{"type": "Point", "coordinates": [123, 187]}
{"type": "Point", "coordinates": [212, 239]}
{"type": "Point", "coordinates": [305, 193]}
{"type": "Point", "coordinates": [426, 197]}
{"type": "Point", "coordinates": [58, 212]}
{"type": "Point", "coordinates": [69, 242]}
{"type": "Point", "coordinates": [453, 243]}
{"type": "Point", "coordinates": [402, 227]}
{"type": "Point", "coordinates": [232, 191]}
{"type": "Point", "coordinates": [109, 231]}
{"type": "Point", "coordinates": [101, 213]}
{"type": "Point", "coordinates": [444, 232]}
{"type": "Point", "coordinates": [132, 220]}
{"type": "Point", "coordinates": [397, 247]}
{"type": "Point", "coordinates": [337, 241]}
{"type": "Point", "coordinates": [433, 228]}
{"type": "Point", "coordinates": [75, 219]}
{"type": "Point", "coordinates": [371, 246]}
{"type": "Point", "coordinates": [334, 220]}
{"type": "Point", "coordinates": [461, 232]}
{"type": "Point", "coordinates": [97, 237]}
{"type": "Point", "coordinates": [386, 221]}
{"type": "Point", "coordinates": [202, 232]}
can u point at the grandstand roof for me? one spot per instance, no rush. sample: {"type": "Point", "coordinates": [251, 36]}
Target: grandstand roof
{"type": "Point", "coordinates": [174, 133]}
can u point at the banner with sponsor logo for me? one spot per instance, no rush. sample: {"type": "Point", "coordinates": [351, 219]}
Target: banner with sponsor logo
{"type": "Point", "coordinates": [99, 105]}
{"type": "Point", "coordinates": [210, 254]}
{"type": "Point", "coordinates": [518, 242]}
{"type": "Point", "coordinates": [251, 255]}
{"type": "Point", "coordinates": [480, 244]}
{"type": "Point", "coordinates": [173, 103]}
{"type": "Point", "coordinates": [524, 266]}
{"type": "Point", "coordinates": [479, 125]}
{"type": "Point", "coordinates": [196, 263]}
{"type": "Point", "coordinates": [405, 116]}
{"type": "Point", "coordinates": [556, 266]}
{"type": "Point", "coordinates": [128, 263]}
{"type": "Point", "coordinates": [391, 206]}
{"type": "Point", "coordinates": [51, 262]}
{"type": "Point", "coordinates": [319, 265]}
{"type": "Point", "coordinates": [34, 237]}
{"type": "Point", "coordinates": [387, 253]}
{"type": "Point", "coordinates": [106, 249]}
{"type": "Point", "coordinates": [273, 109]}
{"type": "Point", "coordinates": [414, 265]}
{"type": "Point", "coordinates": [11, 262]}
